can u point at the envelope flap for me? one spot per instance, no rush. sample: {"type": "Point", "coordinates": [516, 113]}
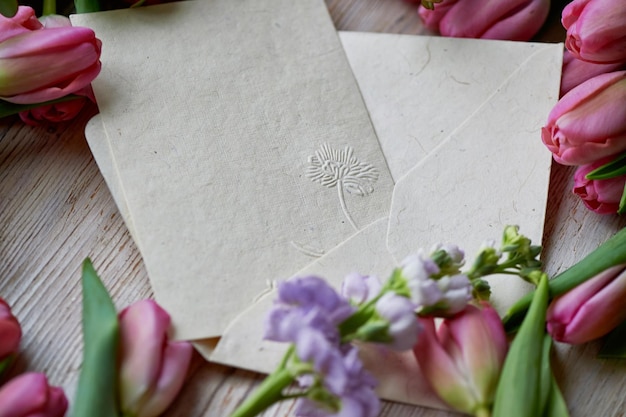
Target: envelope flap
{"type": "Point", "coordinates": [419, 89]}
{"type": "Point", "coordinates": [492, 170]}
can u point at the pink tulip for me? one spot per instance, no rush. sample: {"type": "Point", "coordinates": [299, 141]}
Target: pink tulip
{"type": "Point", "coordinates": [46, 63]}
{"type": "Point", "coordinates": [10, 332]}
{"type": "Point", "coordinates": [462, 359]}
{"type": "Point", "coordinates": [576, 71]}
{"type": "Point", "coordinates": [595, 30]}
{"type": "Point", "coordinates": [590, 310]}
{"type": "Point", "coordinates": [24, 21]}
{"type": "Point", "coordinates": [153, 368]}
{"type": "Point", "coordinates": [516, 20]}
{"type": "Point", "coordinates": [589, 122]}
{"type": "Point", "coordinates": [29, 395]}
{"type": "Point", "coordinates": [601, 196]}
{"type": "Point", "coordinates": [58, 112]}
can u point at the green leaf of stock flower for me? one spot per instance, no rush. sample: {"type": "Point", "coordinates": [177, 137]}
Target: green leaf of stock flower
{"type": "Point", "coordinates": [610, 253]}
{"type": "Point", "coordinates": [615, 344]}
{"type": "Point", "coordinates": [96, 392]}
{"type": "Point", "coordinates": [613, 169]}
{"type": "Point", "coordinates": [519, 392]}
{"type": "Point", "coordinates": [8, 8]}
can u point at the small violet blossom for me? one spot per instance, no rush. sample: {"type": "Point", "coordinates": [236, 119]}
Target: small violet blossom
{"type": "Point", "coordinates": [308, 312]}
{"type": "Point", "coordinates": [359, 289]}
{"type": "Point", "coordinates": [446, 295]}
{"type": "Point", "coordinates": [306, 302]}
{"type": "Point", "coordinates": [403, 326]}
{"type": "Point", "coordinates": [358, 398]}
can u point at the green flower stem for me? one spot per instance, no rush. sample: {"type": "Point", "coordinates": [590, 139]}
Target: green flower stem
{"type": "Point", "coordinates": [49, 7]}
{"type": "Point", "coordinates": [268, 393]}
{"type": "Point", "coordinates": [609, 254]}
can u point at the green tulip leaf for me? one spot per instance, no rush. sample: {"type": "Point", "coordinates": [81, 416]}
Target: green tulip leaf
{"type": "Point", "coordinates": [609, 254]}
{"type": "Point", "coordinates": [556, 406]}
{"type": "Point", "coordinates": [9, 109]}
{"type": "Point", "coordinates": [622, 202]}
{"type": "Point", "coordinates": [615, 344]}
{"type": "Point", "coordinates": [87, 6]}
{"type": "Point", "coordinates": [519, 391]}
{"type": "Point", "coordinates": [615, 168]}
{"type": "Point", "coordinates": [96, 395]}
{"type": "Point", "coordinates": [8, 8]}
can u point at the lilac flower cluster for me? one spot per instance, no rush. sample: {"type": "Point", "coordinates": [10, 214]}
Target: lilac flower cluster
{"type": "Point", "coordinates": [308, 313]}
{"type": "Point", "coordinates": [434, 287]}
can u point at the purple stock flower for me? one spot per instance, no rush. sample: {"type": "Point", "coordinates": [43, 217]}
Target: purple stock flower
{"type": "Point", "coordinates": [359, 289]}
{"type": "Point", "coordinates": [403, 325]}
{"type": "Point", "coordinates": [306, 302]}
{"type": "Point", "coordinates": [357, 397]}
{"type": "Point", "coordinates": [446, 295]}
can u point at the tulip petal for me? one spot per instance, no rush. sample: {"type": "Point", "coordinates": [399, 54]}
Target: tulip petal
{"type": "Point", "coordinates": [24, 395]}
{"type": "Point", "coordinates": [590, 310]}
{"type": "Point", "coordinates": [24, 21]}
{"type": "Point", "coordinates": [440, 370]}
{"type": "Point", "coordinates": [176, 359]}
{"type": "Point", "coordinates": [143, 328]}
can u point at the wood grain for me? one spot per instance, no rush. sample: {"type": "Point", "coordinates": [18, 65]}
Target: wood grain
{"type": "Point", "coordinates": [56, 210]}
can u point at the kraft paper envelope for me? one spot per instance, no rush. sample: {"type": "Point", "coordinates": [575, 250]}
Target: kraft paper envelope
{"type": "Point", "coordinates": [230, 123]}
{"type": "Point", "coordinates": [471, 132]}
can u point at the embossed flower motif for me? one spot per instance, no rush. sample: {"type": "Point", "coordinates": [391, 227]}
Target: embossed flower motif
{"type": "Point", "coordinates": [341, 169]}
{"type": "Point", "coordinates": [331, 167]}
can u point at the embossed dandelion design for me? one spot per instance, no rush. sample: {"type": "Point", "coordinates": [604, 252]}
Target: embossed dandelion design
{"type": "Point", "coordinates": [341, 169]}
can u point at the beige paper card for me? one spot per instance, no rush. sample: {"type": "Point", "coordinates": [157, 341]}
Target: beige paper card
{"type": "Point", "coordinates": [242, 146]}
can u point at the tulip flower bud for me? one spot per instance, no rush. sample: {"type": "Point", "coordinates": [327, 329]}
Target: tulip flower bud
{"type": "Point", "coordinates": [589, 122]}
{"type": "Point", "coordinates": [152, 369]}
{"type": "Point", "coordinates": [516, 20]}
{"type": "Point", "coordinates": [462, 358]}
{"type": "Point", "coordinates": [29, 395]}
{"type": "Point", "coordinates": [576, 71]}
{"type": "Point", "coordinates": [601, 196]}
{"type": "Point", "coordinates": [596, 30]}
{"type": "Point", "coordinates": [45, 63]}
{"type": "Point", "coordinates": [590, 310]}
{"type": "Point", "coordinates": [10, 334]}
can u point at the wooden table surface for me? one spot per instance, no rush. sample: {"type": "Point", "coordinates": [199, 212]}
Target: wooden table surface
{"type": "Point", "coordinates": [56, 210]}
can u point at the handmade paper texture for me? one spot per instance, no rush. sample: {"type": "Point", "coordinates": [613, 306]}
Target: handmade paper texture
{"type": "Point", "coordinates": [509, 186]}
{"type": "Point", "coordinates": [241, 143]}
